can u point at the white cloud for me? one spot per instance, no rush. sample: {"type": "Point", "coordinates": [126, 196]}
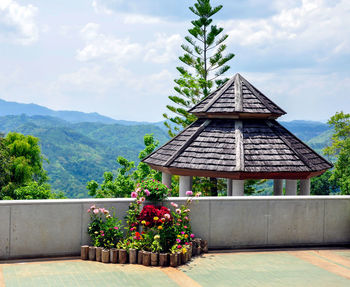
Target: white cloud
{"type": "Point", "coordinates": [101, 46]}
{"type": "Point", "coordinates": [164, 49]}
{"type": "Point", "coordinates": [19, 22]}
{"type": "Point", "coordinates": [313, 25]}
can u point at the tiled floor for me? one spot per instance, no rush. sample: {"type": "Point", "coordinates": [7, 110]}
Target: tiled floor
{"type": "Point", "coordinates": [256, 268]}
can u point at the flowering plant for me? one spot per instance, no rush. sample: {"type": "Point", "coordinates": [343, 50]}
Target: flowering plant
{"type": "Point", "coordinates": [152, 189]}
{"type": "Point", "coordinates": [104, 229]}
{"type": "Point", "coordinates": [151, 216]}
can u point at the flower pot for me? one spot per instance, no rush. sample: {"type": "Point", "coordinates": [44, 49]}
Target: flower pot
{"type": "Point", "coordinates": [139, 257]}
{"type": "Point", "coordinates": [163, 259]}
{"type": "Point", "coordinates": [204, 246]}
{"type": "Point", "coordinates": [199, 250]}
{"type": "Point", "coordinates": [113, 256]}
{"type": "Point", "coordinates": [146, 258]}
{"type": "Point", "coordinates": [123, 256]}
{"type": "Point", "coordinates": [173, 260]}
{"type": "Point", "coordinates": [99, 254]}
{"type": "Point", "coordinates": [92, 253]}
{"type": "Point", "coordinates": [154, 259]}
{"type": "Point", "coordinates": [118, 258]}
{"type": "Point", "coordinates": [132, 256]}
{"type": "Point", "coordinates": [183, 257]}
{"type": "Point", "coordinates": [194, 249]}
{"type": "Point", "coordinates": [105, 255]}
{"type": "Point", "coordinates": [84, 252]}
{"type": "Point", "coordinates": [179, 259]}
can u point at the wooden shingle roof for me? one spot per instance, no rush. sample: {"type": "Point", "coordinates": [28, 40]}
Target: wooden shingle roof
{"type": "Point", "coordinates": [239, 149]}
{"type": "Point", "coordinates": [237, 99]}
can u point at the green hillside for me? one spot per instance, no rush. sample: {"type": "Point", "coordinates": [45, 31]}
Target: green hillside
{"type": "Point", "coordinates": [80, 152]}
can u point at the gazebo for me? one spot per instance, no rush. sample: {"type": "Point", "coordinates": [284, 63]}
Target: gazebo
{"type": "Point", "coordinates": [237, 137]}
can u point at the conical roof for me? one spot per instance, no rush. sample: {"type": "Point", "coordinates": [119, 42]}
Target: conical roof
{"type": "Point", "coordinates": [228, 148]}
{"type": "Point", "coordinates": [237, 99]}
{"type": "Point", "coordinates": [237, 136]}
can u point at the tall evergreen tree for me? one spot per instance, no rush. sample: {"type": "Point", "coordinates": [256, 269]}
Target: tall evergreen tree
{"type": "Point", "coordinates": [205, 65]}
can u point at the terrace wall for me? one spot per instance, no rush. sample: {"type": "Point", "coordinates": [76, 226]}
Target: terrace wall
{"type": "Point", "coordinates": [40, 228]}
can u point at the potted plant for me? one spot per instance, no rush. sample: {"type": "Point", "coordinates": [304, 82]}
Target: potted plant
{"type": "Point", "coordinates": [155, 248]}
{"type": "Point", "coordinates": [173, 256]}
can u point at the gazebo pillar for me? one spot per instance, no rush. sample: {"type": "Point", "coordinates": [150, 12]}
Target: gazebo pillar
{"type": "Point", "coordinates": [185, 185]}
{"type": "Point", "coordinates": [305, 187]}
{"type": "Point", "coordinates": [166, 179]}
{"type": "Point", "coordinates": [237, 187]}
{"type": "Point", "coordinates": [277, 186]}
{"type": "Point", "coordinates": [291, 187]}
{"type": "Point", "coordinates": [229, 187]}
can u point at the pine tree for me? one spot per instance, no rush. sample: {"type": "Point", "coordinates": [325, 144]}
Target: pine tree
{"type": "Point", "coordinates": [206, 64]}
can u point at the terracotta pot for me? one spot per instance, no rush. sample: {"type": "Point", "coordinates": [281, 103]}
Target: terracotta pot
{"type": "Point", "coordinates": [99, 254]}
{"type": "Point", "coordinates": [146, 258]}
{"type": "Point", "coordinates": [84, 252]}
{"type": "Point", "coordinates": [173, 260]}
{"type": "Point", "coordinates": [139, 257]}
{"type": "Point", "coordinates": [123, 256]}
{"type": "Point", "coordinates": [92, 253]}
{"type": "Point", "coordinates": [163, 259]}
{"type": "Point", "coordinates": [154, 259]}
{"type": "Point", "coordinates": [113, 255]}
{"type": "Point", "coordinates": [132, 256]}
{"type": "Point", "coordinates": [105, 255]}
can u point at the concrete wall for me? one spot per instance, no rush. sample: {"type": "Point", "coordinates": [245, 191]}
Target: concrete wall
{"type": "Point", "coordinates": [58, 227]}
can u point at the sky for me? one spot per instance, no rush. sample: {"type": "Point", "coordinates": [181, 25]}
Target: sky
{"type": "Point", "coordinates": [119, 57]}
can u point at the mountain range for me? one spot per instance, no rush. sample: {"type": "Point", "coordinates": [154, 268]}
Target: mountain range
{"type": "Point", "coordinates": [81, 146]}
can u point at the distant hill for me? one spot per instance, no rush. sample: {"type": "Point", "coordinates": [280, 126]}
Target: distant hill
{"type": "Point", "coordinates": [305, 130]}
{"type": "Point", "coordinates": [79, 152]}
{"type": "Point", "coordinates": [13, 108]}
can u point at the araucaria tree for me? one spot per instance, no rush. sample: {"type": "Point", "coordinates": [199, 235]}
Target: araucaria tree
{"type": "Point", "coordinates": [206, 63]}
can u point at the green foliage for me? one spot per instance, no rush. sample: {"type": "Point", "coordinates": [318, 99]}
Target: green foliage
{"type": "Point", "coordinates": [340, 148]}
{"type": "Point", "coordinates": [80, 152]}
{"type": "Point", "coordinates": [324, 185]}
{"type": "Point", "coordinates": [22, 172]}
{"type": "Point", "coordinates": [204, 56]}
{"type": "Point", "coordinates": [127, 176]}
{"type": "Point", "coordinates": [251, 186]}
{"type": "Point", "coordinates": [157, 190]}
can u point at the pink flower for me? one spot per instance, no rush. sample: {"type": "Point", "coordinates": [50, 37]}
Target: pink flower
{"type": "Point", "coordinates": [186, 243]}
{"type": "Point", "coordinates": [167, 216]}
{"type": "Point", "coordinates": [186, 218]}
{"type": "Point", "coordinates": [179, 246]}
{"type": "Point", "coordinates": [135, 237]}
{"type": "Point", "coordinates": [116, 227]}
{"type": "Point", "coordinates": [177, 224]}
{"type": "Point", "coordinates": [185, 227]}
{"type": "Point", "coordinates": [174, 205]}
{"type": "Point", "coordinates": [192, 235]}
{"type": "Point", "coordinates": [178, 240]}
{"type": "Point", "coordinates": [182, 232]}
{"type": "Point", "coordinates": [96, 211]}
{"type": "Point", "coordinates": [142, 199]}
{"type": "Point", "coordinates": [102, 234]}
{"type": "Point", "coordinates": [88, 210]}
{"type": "Point", "coordinates": [138, 190]}
{"type": "Point", "coordinates": [187, 210]}
{"type": "Point", "coordinates": [133, 194]}
{"type": "Point", "coordinates": [178, 211]}
{"type": "Point", "coordinates": [189, 193]}
{"type": "Point", "coordinates": [138, 201]}
{"type": "Point", "coordinates": [179, 220]}
{"type": "Point", "coordinates": [93, 206]}
{"type": "Point", "coordinates": [147, 192]}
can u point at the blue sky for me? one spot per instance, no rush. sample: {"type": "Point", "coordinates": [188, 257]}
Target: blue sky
{"type": "Point", "coordinates": [119, 57]}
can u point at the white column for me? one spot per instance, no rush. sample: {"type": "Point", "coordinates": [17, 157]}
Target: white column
{"type": "Point", "coordinates": [185, 185]}
{"type": "Point", "coordinates": [305, 187]}
{"type": "Point", "coordinates": [277, 186]}
{"type": "Point", "coordinates": [291, 187]}
{"type": "Point", "coordinates": [237, 187]}
{"type": "Point", "coordinates": [229, 187]}
{"type": "Point", "coordinates": [166, 179]}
